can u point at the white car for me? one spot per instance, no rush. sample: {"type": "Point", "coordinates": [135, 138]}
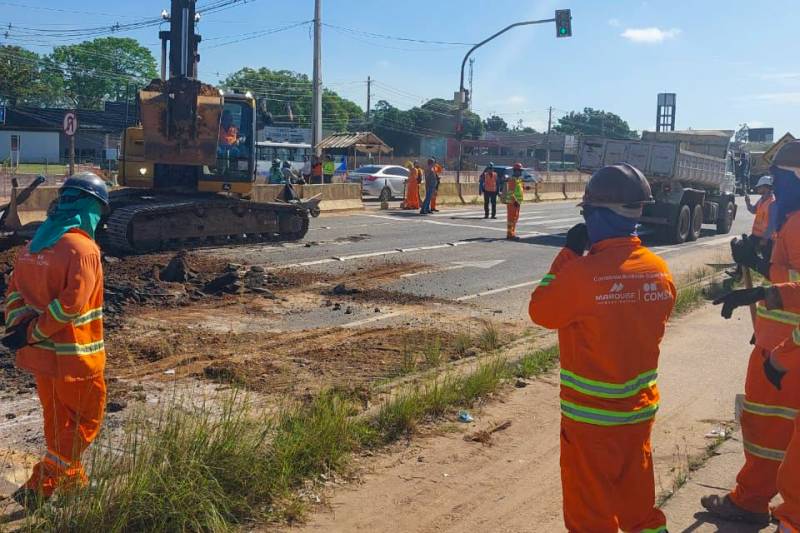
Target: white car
{"type": "Point", "coordinates": [373, 178]}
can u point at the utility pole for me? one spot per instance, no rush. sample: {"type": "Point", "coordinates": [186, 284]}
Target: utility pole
{"type": "Point", "coordinates": [549, 128]}
{"type": "Point", "coordinates": [316, 112]}
{"type": "Point", "coordinates": [471, 72]}
{"type": "Point", "coordinates": [369, 96]}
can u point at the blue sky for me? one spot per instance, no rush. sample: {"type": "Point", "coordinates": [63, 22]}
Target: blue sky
{"type": "Point", "coordinates": [729, 61]}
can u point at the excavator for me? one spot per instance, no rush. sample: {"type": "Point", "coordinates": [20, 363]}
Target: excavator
{"type": "Point", "coordinates": [188, 170]}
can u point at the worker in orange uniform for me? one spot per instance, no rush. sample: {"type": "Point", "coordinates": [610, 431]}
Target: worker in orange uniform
{"type": "Point", "coordinates": [54, 322]}
{"type": "Point", "coordinates": [228, 132]}
{"type": "Point", "coordinates": [316, 170]}
{"type": "Point", "coordinates": [487, 186]}
{"type": "Point", "coordinates": [514, 198]}
{"type": "Point", "coordinates": [438, 169]}
{"type": "Point", "coordinates": [768, 413]}
{"type": "Point", "coordinates": [412, 186]}
{"type": "Point", "coordinates": [762, 229]}
{"type": "Point", "coordinates": [610, 307]}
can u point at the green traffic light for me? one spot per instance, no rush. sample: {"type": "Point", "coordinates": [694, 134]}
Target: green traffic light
{"type": "Point", "coordinates": [563, 31]}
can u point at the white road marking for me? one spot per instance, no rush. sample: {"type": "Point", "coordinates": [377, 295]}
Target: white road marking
{"type": "Point", "coordinates": [366, 321]}
{"type": "Point", "coordinates": [496, 291]}
{"type": "Point", "coordinates": [438, 223]}
{"type": "Point", "coordinates": [715, 242]}
{"type": "Point", "coordinates": [485, 265]}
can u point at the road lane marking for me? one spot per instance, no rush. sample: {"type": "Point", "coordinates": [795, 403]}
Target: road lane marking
{"type": "Point", "coordinates": [496, 291]}
{"type": "Point", "coordinates": [366, 321]}
{"type": "Point", "coordinates": [438, 223]}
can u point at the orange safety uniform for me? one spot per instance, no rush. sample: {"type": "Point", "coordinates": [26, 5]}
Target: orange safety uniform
{"type": "Point", "coordinates": [412, 189]}
{"type": "Point", "coordinates": [514, 198]}
{"type": "Point", "coordinates": [768, 414]}
{"type": "Point", "coordinates": [228, 136]}
{"type": "Point", "coordinates": [62, 288]}
{"type": "Point", "coordinates": [610, 308]}
{"type": "Point", "coordinates": [761, 222]}
{"type": "Point", "coordinates": [787, 356]}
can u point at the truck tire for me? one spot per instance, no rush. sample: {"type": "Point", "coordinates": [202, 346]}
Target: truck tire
{"type": "Point", "coordinates": [725, 220]}
{"type": "Point", "coordinates": [678, 233]}
{"type": "Point", "coordinates": [697, 223]}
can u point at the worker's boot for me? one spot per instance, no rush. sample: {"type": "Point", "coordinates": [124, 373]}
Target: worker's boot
{"type": "Point", "coordinates": [28, 499]}
{"type": "Point", "coordinates": [723, 507]}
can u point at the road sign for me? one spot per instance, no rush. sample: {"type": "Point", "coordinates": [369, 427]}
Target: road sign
{"type": "Point", "coordinates": [70, 123]}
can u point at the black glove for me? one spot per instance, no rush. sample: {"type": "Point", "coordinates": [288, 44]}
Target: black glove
{"type": "Point", "coordinates": [774, 375]}
{"type": "Point", "coordinates": [735, 299]}
{"type": "Point", "coordinates": [17, 337]}
{"type": "Point", "coordinates": [578, 238]}
{"type": "Point", "coordinates": [745, 252]}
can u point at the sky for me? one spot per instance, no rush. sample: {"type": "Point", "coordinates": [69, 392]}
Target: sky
{"type": "Point", "coordinates": [729, 61]}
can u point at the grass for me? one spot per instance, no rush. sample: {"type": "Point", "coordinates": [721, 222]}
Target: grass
{"type": "Point", "coordinates": [687, 464]}
{"type": "Point", "coordinates": [537, 362]}
{"type": "Point", "coordinates": [462, 344]}
{"type": "Point", "coordinates": [38, 168]}
{"type": "Point", "coordinates": [432, 352]}
{"type": "Point", "coordinates": [489, 337]}
{"type": "Point", "coordinates": [700, 284]}
{"type": "Point", "coordinates": [223, 466]}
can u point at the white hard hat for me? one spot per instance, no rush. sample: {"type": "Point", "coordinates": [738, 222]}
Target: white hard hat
{"type": "Point", "coordinates": [765, 181]}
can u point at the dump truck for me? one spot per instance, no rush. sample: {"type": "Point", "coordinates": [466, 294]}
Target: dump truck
{"type": "Point", "coordinates": [188, 169]}
{"type": "Point", "coordinates": [690, 172]}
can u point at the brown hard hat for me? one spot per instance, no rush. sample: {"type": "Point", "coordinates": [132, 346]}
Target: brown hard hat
{"type": "Point", "coordinates": [788, 155]}
{"type": "Point", "coordinates": [620, 185]}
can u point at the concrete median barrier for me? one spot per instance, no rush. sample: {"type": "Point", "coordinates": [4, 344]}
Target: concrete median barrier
{"type": "Point", "coordinates": [548, 191]}
{"type": "Point", "coordinates": [335, 196]}
{"type": "Point", "coordinates": [574, 190]}
{"type": "Point", "coordinates": [448, 193]}
{"type": "Point", "coordinates": [33, 210]}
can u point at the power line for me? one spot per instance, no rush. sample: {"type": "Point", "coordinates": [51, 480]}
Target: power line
{"type": "Point", "coordinates": [393, 37]}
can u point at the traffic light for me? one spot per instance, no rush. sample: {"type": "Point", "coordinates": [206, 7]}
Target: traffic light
{"type": "Point", "coordinates": [563, 23]}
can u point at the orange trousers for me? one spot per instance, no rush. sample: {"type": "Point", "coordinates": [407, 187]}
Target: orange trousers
{"type": "Point", "coordinates": [767, 428]}
{"type": "Point", "coordinates": [607, 478]}
{"type": "Point", "coordinates": [789, 485]}
{"type": "Point", "coordinates": [412, 194]}
{"type": "Point", "coordinates": [512, 217]}
{"type": "Point", "coordinates": [73, 412]}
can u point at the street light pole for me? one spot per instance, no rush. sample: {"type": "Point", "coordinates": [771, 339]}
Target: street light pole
{"type": "Point", "coordinates": [316, 105]}
{"type": "Point", "coordinates": [463, 100]}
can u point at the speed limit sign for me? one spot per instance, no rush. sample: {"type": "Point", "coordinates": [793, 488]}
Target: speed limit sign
{"type": "Point", "coordinates": [70, 123]}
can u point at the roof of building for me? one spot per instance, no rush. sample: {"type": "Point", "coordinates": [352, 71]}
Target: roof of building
{"type": "Point", "coordinates": [365, 142]}
{"type": "Point", "coordinates": [108, 120]}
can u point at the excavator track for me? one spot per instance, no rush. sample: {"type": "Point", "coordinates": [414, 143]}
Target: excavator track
{"type": "Point", "coordinates": [159, 224]}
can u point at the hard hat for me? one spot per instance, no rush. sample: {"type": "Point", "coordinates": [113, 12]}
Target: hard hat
{"type": "Point", "coordinates": [90, 184]}
{"type": "Point", "coordinates": [621, 188]}
{"type": "Point", "coordinates": [788, 156]}
{"type": "Point", "coordinates": [517, 166]}
{"type": "Point", "coordinates": [276, 161]}
{"type": "Point", "coordinates": [765, 181]}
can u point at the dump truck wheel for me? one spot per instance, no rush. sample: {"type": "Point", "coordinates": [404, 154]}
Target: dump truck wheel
{"type": "Point", "coordinates": [683, 222]}
{"type": "Point", "coordinates": [725, 221]}
{"type": "Point", "coordinates": [697, 223]}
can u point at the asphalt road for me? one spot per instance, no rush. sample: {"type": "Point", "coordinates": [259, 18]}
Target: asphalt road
{"type": "Point", "coordinates": [464, 257]}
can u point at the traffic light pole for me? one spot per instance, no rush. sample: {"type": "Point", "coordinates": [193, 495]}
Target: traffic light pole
{"type": "Point", "coordinates": [463, 103]}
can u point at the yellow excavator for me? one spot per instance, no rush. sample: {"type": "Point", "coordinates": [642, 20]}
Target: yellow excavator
{"type": "Point", "coordinates": [188, 169]}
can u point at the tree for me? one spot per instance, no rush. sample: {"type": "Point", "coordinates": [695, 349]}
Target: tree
{"type": "Point", "coordinates": [395, 127]}
{"type": "Point", "coordinates": [279, 90]}
{"type": "Point", "coordinates": [23, 80]}
{"type": "Point", "coordinates": [495, 123]}
{"type": "Point", "coordinates": [595, 122]}
{"type": "Point", "coordinates": [109, 68]}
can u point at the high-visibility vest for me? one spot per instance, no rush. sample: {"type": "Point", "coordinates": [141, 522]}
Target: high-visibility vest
{"type": "Point", "coordinates": [62, 287]}
{"type": "Point", "coordinates": [328, 168]}
{"type": "Point", "coordinates": [490, 181]}
{"type": "Point", "coordinates": [761, 222]}
{"type": "Point", "coordinates": [610, 308]}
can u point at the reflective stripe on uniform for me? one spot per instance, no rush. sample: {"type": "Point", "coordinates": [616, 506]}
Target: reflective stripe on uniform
{"type": "Point", "coordinates": [58, 312]}
{"type": "Point", "coordinates": [89, 316]}
{"type": "Point", "coordinates": [779, 315]}
{"type": "Point", "coordinates": [12, 297]}
{"type": "Point", "coordinates": [794, 275]}
{"type": "Point", "coordinates": [546, 280]}
{"type": "Point", "coordinates": [73, 349]}
{"type": "Point", "coordinates": [764, 452]}
{"type": "Point", "coordinates": [12, 316]}
{"type": "Point", "coordinates": [662, 529]}
{"type": "Point", "coordinates": [56, 459]}
{"type": "Point", "coordinates": [796, 336]}
{"type": "Point", "coordinates": [602, 389]}
{"type": "Point", "coordinates": [761, 409]}
{"type": "Point", "coordinates": [604, 417]}
{"type": "Point", "coordinates": [37, 334]}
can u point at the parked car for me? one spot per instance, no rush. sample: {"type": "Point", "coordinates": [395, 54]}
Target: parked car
{"type": "Point", "coordinates": [529, 175]}
{"type": "Point", "coordinates": [373, 178]}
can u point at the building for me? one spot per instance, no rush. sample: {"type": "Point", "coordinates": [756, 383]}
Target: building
{"type": "Point", "coordinates": [37, 133]}
{"type": "Point", "coordinates": [760, 135]}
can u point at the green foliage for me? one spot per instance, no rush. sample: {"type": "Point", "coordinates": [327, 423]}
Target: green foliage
{"type": "Point", "coordinates": [595, 122]}
{"type": "Point", "coordinates": [537, 362]}
{"type": "Point", "coordinates": [106, 69]}
{"type": "Point", "coordinates": [495, 123]}
{"type": "Point", "coordinates": [24, 80]}
{"type": "Point", "coordinates": [278, 90]}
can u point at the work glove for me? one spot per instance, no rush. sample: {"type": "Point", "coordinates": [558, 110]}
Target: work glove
{"type": "Point", "coordinates": [773, 375]}
{"type": "Point", "coordinates": [739, 298]}
{"type": "Point", "coordinates": [745, 252]}
{"type": "Point", "coordinates": [17, 337]}
{"type": "Point", "coordinates": [578, 238]}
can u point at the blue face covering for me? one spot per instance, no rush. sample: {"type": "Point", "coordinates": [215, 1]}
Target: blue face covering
{"type": "Point", "coordinates": [603, 223]}
{"type": "Point", "coordinates": [787, 194]}
{"type": "Point", "coordinates": [72, 211]}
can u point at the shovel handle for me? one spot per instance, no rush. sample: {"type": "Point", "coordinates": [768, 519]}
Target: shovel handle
{"type": "Point", "coordinates": [748, 284]}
